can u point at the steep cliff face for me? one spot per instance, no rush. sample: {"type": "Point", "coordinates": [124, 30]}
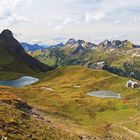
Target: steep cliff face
{"type": "Point", "coordinates": [12, 53]}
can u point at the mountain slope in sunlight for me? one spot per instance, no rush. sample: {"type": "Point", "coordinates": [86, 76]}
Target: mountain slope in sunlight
{"type": "Point", "coordinates": [61, 95]}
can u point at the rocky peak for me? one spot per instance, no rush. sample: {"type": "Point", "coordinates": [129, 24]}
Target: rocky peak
{"type": "Point", "coordinates": [79, 49]}
{"type": "Point", "coordinates": [106, 43]}
{"type": "Point", "coordinates": [57, 45]}
{"type": "Point", "coordinates": [14, 48]}
{"type": "Point", "coordinates": [83, 45]}
{"type": "Point", "coordinates": [128, 44]}
{"type": "Point", "coordinates": [36, 45]}
{"type": "Point", "coordinates": [89, 45]}
{"type": "Point", "coordinates": [114, 43]}
{"type": "Point", "coordinates": [71, 41]}
{"type": "Point", "coordinates": [80, 42]}
{"type": "Point", "coordinates": [7, 34]}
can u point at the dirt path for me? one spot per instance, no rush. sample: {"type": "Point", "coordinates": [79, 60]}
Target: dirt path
{"type": "Point", "coordinates": [132, 119]}
{"type": "Point", "coordinates": [134, 133]}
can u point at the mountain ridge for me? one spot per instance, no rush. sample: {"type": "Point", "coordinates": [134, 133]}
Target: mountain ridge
{"type": "Point", "coordinates": [119, 57]}
{"type": "Point", "coordinates": [13, 53]}
{"type": "Point", "coordinates": [73, 43]}
{"type": "Point", "coordinates": [106, 43]}
{"type": "Point", "coordinates": [29, 47]}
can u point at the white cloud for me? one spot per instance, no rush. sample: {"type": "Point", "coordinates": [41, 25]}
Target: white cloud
{"type": "Point", "coordinates": [36, 42]}
{"type": "Point", "coordinates": [136, 18]}
{"type": "Point", "coordinates": [67, 20]}
{"type": "Point", "coordinates": [50, 24]}
{"type": "Point", "coordinates": [58, 39]}
{"type": "Point", "coordinates": [94, 16]}
{"type": "Point", "coordinates": [117, 21]}
{"type": "Point", "coordinates": [58, 27]}
{"type": "Point", "coordinates": [11, 11]}
{"type": "Point", "coordinates": [44, 19]}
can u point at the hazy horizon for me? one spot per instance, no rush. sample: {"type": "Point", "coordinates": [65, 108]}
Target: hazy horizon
{"type": "Point", "coordinates": [51, 22]}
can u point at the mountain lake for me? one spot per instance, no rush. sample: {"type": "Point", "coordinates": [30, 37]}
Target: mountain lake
{"type": "Point", "coordinates": [20, 82]}
{"type": "Point", "coordinates": [104, 94]}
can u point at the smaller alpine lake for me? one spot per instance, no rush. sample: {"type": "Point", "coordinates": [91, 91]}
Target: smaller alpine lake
{"type": "Point", "coordinates": [20, 82]}
{"type": "Point", "coordinates": [104, 94]}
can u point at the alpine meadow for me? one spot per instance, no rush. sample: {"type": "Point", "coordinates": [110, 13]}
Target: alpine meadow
{"type": "Point", "coordinates": [69, 70]}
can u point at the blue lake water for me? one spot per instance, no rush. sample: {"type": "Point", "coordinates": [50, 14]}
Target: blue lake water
{"type": "Point", "coordinates": [104, 94]}
{"type": "Point", "coordinates": [20, 82]}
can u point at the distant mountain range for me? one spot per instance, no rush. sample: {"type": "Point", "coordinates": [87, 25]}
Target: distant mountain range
{"type": "Point", "coordinates": [29, 47]}
{"type": "Point", "coordinates": [106, 43]}
{"type": "Point", "coordinates": [119, 57]}
{"type": "Point", "coordinates": [57, 45]}
{"type": "Point", "coordinates": [80, 45]}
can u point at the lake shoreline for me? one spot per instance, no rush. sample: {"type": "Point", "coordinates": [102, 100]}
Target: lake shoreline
{"type": "Point", "coordinates": [104, 94]}
{"type": "Point", "coordinates": [20, 82]}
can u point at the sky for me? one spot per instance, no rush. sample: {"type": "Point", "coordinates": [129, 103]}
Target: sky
{"type": "Point", "coordinates": [54, 21]}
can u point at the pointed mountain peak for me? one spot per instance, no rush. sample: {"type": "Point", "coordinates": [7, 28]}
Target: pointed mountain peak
{"type": "Point", "coordinates": [117, 44]}
{"type": "Point", "coordinates": [128, 44]}
{"type": "Point", "coordinates": [7, 34]}
{"type": "Point", "coordinates": [106, 40]}
{"type": "Point", "coordinates": [14, 50]}
{"type": "Point", "coordinates": [71, 41]}
{"type": "Point", "coordinates": [105, 43]}
{"type": "Point", "coordinates": [80, 41]}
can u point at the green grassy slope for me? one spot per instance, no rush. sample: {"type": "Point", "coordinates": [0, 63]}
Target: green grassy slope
{"type": "Point", "coordinates": [44, 57]}
{"type": "Point", "coordinates": [18, 122]}
{"type": "Point", "coordinates": [61, 95]}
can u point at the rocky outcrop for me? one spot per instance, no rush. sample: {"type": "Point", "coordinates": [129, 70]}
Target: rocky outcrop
{"type": "Point", "coordinates": [71, 42]}
{"type": "Point", "coordinates": [76, 43]}
{"type": "Point", "coordinates": [116, 44]}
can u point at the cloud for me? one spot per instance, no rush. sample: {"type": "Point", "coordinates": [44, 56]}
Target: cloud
{"type": "Point", "coordinates": [67, 20]}
{"type": "Point", "coordinates": [35, 41]}
{"type": "Point", "coordinates": [136, 18]}
{"type": "Point", "coordinates": [17, 34]}
{"type": "Point", "coordinates": [44, 19]}
{"type": "Point", "coordinates": [50, 24]}
{"type": "Point", "coordinates": [58, 27]}
{"type": "Point", "coordinates": [11, 11]}
{"type": "Point", "coordinates": [59, 39]}
{"type": "Point", "coordinates": [117, 21]}
{"type": "Point", "coordinates": [94, 16]}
